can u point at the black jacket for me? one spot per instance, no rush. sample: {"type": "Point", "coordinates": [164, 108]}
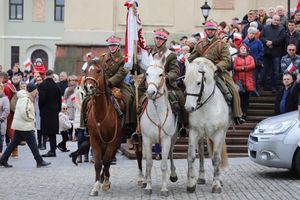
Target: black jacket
{"type": "Point", "coordinates": [62, 85]}
{"type": "Point", "coordinates": [291, 101]}
{"type": "Point", "coordinates": [277, 35]}
{"type": "Point", "coordinates": [293, 39]}
{"type": "Point", "coordinates": [50, 106]}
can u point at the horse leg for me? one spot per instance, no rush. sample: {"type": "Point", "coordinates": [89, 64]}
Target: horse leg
{"type": "Point", "coordinates": [139, 156]}
{"type": "Point", "coordinates": [173, 175]}
{"type": "Point", "coordinates": [165, 149]}
{"type": "Point", "coordinates": [201, 176]}
{"type": "Point", "coordinates": [191, 183]}
{"type": "Point", "coordinates": [216, 158]}
{"type": "Point", "coordinates": [147, 152]}
{"type": "Point", "coordinates": [98, 167]}
{"type": "Point", "coordinates": [107, 158]}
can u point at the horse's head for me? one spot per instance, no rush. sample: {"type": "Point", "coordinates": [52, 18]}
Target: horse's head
{"type": "Point", "coordinates": [93, 74]}
{"type": "Point", "coordinates": [155, 78]}
{"type": "Point", "coordinates": [199, 77]}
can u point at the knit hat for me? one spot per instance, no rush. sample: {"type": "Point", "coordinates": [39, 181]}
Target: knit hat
{"type": "Point", "coordinates": [252, 30]}
{"type": "Point", "coordinates": [39, 60]}
{"type": "Point", "coordinates": [254, 24]}
{"type": "Point", "coordinates": [31, 87]}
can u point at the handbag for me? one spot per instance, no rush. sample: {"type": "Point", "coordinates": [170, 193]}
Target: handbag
{"type": "Point", "coordinates": [240, 86]}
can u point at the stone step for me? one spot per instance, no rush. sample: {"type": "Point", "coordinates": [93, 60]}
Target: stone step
{"type": "Point", "coordinates": [260, 112]}
{"type": "Point", "coordinates": [259, 105]}
{"type": "Point", "coordinates": [237, 148]}
{"type": "Point", "coordinates": [262, 99]}
{"type": "Point", "coordinates": [256, 118]}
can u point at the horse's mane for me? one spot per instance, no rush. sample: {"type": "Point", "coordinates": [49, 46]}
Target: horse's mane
{"type": "Point", "coordinates": [199, 64]}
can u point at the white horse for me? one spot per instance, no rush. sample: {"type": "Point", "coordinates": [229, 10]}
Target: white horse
{"type": "Point", "coordinates": [158, 125]}
{"type": "Point", "coordinates": [209, 116]}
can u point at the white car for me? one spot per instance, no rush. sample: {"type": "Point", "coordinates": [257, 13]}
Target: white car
{"type": "Point", "coordinates": [275, 142]}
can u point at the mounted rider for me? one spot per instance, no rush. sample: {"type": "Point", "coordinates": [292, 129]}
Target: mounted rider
{"type": "Point", "coordinates": [115, 73]}
{"type": "Point", "coordinates": [172, 72]}
{"type": "Point", "coordinates": [216, 50]}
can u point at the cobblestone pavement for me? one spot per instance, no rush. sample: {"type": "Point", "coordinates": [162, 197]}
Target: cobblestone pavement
{"type": "Point", "coordinates": [63, 181]}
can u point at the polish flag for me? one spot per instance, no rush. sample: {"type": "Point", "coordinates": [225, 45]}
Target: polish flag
{"type": "Point", "coordinates": [291, 68]}
{"type": "Point", "coordinates": [297, 5]}
{"type": "Point", "coordinates": [27, 63]}
{"type": "Point", "coordinates": [73, 97]}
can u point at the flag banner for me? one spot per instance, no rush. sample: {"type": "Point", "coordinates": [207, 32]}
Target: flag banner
{"type": "Point", "coordinates": [290, 68]}
{"type": "Point", "coordinates": [134, 38]}
{"type": "Point", "coordinates": [27, 63]}
{"type": "Point", "coordinates": [297, 5]}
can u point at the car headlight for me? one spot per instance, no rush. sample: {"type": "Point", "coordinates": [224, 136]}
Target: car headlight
{"type": "Point", "coordinates": [274, 129]}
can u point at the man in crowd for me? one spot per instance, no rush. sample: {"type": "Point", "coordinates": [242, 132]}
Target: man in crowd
{"type": "Point", "coordinates": [272, 37]}
{"type": "Point", "coordinates": [292, 36]}
{"type": "Point", "coordinates": [50, 106]}
{"type": "Point", "coordinates": [291, 61]}
{"type": "Point", "coordinates": [63, 82]}
{"type": "Point", "coordinates": [287, 99]}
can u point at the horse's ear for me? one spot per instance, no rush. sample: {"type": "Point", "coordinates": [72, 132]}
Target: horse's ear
{"type": "Point", "coordinates": [163, 61]}
{"type": "Point", "coordinates": [151, 59]}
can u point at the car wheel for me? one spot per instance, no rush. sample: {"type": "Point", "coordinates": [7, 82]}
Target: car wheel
{"type": "Point", "coordinates": [296, 162]}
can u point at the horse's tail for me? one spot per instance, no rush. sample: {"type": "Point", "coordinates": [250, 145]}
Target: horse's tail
{"type": "Point", "coordinates": [224, 155]}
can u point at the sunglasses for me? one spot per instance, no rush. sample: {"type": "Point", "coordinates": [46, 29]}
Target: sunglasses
{"type": "Point", "coordinates": [64, 108]}
{"type": "Point", "coordinates": [291, 49]}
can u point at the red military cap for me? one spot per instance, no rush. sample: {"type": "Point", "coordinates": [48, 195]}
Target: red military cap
{"type": "Point", "coordinates": [161, 33]}
{"type": "Point", "coordinates": [210, 26]}
{"type": "Point", "coordinates": [113, 40]}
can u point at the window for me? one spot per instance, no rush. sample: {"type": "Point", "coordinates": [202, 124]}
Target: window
{"type": "Point", "coordinates": [59, 10]}
{"type": "Point", "coordinates": [15, 55]}
{"type": "Point", "coordinates": [16, 9]}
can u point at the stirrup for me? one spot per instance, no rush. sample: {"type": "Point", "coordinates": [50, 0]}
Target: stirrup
{"type": "Point", "coordinates": [135, 138]}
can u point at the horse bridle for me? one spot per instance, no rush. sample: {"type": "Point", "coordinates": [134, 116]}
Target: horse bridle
{"type": "Point", "coordinates": [200, 94]}
{"type": "Point", "coordinates": [96, 92]}
{"type": "Point", "coordinates": [158, 87]}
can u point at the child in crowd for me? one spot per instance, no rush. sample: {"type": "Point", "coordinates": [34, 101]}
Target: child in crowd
{"type": "Point", "coordinates": [64, 125]}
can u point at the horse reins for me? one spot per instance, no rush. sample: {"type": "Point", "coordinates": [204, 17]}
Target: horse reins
{"type": "Point", "coordinates": [199, 103]}
{"type": "Point", "coordinates": [158, 87]}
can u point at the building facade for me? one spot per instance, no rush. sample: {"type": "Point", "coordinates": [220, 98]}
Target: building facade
{"type": "Point", "coordinates": [30, 29]}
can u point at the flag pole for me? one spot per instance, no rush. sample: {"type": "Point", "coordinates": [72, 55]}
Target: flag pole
{"type": "Point", "coordinates": [136, 82]}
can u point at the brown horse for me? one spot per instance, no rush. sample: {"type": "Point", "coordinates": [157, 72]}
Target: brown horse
{"type": "Point", "coordinates": [103, 123]}
{"type": "Point", "coordinates": [104, 126]}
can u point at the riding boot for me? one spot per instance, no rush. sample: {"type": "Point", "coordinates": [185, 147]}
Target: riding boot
{"type": "Point", "coordinates": [74, 156]}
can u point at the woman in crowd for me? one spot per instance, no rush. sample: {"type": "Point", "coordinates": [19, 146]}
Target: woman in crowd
{"type": "Point", "coordinates": [4, 112]}
{"type": "Point", "coordinates": [243, 66]}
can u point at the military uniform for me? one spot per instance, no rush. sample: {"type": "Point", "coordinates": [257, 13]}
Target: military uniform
{"type": "Point", "coordinates": [172, 71]}
{"type": "Point", "coordinates": [115, 74]}
{"type": "Point", "coordinates": [217, 51]}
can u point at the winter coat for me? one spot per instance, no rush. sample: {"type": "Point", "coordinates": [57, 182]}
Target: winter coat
{"type": "Point", "coordinates": [24, 116]}
{"type": "Point", "coordinates": [255, 48]}
{"type": "Point", "coordinates": [79, 96]}
{"type": "Point", "coordinates": [293, 39]}
{"type": "Point", "coordinates": [62, 85]}
{"type": "Point", "coordinates": [277, 35]}
{"type": "Point", "coordinates": [287, 60]}
{"type": "Point", "coordinates": [4, 112]}
{"type": "Point", "coordinates": [41, 69]}
{"type": "Point", "coordinates": [64, 122]}
{"type": "Point", "coordinates": [37, 112]}
{"type": "Point", "coordinates": [291, 101]}
{"type": "Point", "coordinates": [50, 106]}
{"type": "Point", "coordinates": [69, 100]}
{"type": "Point", "coordinates": [244, 75]}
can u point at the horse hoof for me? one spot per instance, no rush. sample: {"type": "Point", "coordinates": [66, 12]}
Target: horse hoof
{"type": "Point", "coordinates": [106, 187]}
{"type": "Point", "coordinates": [94, 193]}
{"type": "Point", "coordinates": [216, 189]}
{"type": "Point", "coordinates": [191, 189]}
{"type": "Point", "coordinates": [201, 181]}
{"type": "Point", "coordinates": [221, 182]}
{"type": "Point", "coordinates": [173, 179]}
{"type": "Point", "coordinates": [148, 191]}
{"type": "Point", "coordinates": [164, 193]}
{"type": "Point", "coordinates": [144, 185]}
{"type": "Point", "coordinates": [140, 183]}
{"type": "Point", "coordinates": [101, 180]}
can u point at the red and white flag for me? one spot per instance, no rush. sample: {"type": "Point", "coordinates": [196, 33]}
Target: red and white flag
{"type": "Point", "coordinates": [290, 68]}
{"type": "Point", "coordinates": [134, 38]}
{"type": "Point", "coordinates": [27, 63]}
{"type": "Point", "coordinates": [297, 5]}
